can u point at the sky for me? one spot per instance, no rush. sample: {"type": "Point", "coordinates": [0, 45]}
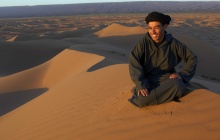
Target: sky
{"type": "Point", "coordinates": [7, 3]}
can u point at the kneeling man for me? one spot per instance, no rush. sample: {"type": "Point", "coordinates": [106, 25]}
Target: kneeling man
{"type": "Point", "coordinates": [152, 64]}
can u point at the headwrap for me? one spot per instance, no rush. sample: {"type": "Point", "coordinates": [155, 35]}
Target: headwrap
{"type": "Point", "coordinates": [156, 16]}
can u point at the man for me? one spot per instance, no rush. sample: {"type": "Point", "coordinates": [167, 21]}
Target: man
{"type": "Point", "coordinates": [152, 64]}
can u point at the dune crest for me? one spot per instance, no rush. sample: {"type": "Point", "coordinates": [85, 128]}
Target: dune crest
{"type": "Point", "coordinates": [120, 30]}
{"type": "Point", "coordinates": [49, 73]}
{"type": "Point", "coordinates": [73, 63]}
{"type": "Point", "coordinates": [12, 39]}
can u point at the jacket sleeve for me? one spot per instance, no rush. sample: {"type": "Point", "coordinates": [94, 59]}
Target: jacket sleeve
{"type": "Point", "coordinates": [135, 67]}
{"type": "Point", "coordinates": [190, 60]}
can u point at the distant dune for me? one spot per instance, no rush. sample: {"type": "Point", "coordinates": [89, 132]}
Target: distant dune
{"type": "Point", "coordinates": [113, 30]}
{"type": "Point", "coordinates": [110, 8]}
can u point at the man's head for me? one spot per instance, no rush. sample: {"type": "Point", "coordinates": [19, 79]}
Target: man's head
{"type": "Point", "coordinates": [157, 24]}
{"type": "Point", "coordinates": [160, 17]}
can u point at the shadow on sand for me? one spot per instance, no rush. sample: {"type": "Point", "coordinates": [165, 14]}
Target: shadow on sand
{"type": "Point", "coordinates": [13, 100]}
{"type": "Point", "coordinates": [115, 49]}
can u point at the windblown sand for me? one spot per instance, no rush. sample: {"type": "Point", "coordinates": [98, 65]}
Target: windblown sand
{"type": "Point", "coordinates": [66, 78]}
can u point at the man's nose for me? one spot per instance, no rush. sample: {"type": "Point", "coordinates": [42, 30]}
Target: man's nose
{"type": "Point", "coordinates": [153, 31]}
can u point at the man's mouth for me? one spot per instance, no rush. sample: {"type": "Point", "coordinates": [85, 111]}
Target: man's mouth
{"type": "Point", "coordinates": [154, 36]}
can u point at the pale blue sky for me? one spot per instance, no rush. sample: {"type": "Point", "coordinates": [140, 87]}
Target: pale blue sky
{"type": "Point", "coordinates": [46, 2]}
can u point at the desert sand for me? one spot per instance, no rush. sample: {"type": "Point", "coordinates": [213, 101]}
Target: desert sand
{"type": "Point", "coordinates": [66, 79]}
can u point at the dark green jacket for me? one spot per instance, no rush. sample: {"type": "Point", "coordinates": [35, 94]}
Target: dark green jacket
{"type": "Point", "coordinates": [147, 63]}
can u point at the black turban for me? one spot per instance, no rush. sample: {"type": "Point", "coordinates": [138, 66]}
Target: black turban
{"type": "Point", "coordinates": [156, 16]}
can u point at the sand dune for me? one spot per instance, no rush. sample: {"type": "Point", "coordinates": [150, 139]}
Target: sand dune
{"type": "Point", "coordinates": [12, 39]}
{"type": "Point", "coordinates": [77, 88]}
{"type": "Point", "coordinates": [119, 30]}
{"type": "Point", "coordinates": [18, 56]}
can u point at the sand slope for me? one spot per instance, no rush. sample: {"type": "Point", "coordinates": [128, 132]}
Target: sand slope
{"type": "Point", "coordinates": [119, 30]}
{"type": "Point", "coordinates": [12, 39]}
{"type": "Point", "coordinates": [81, 93]}
{"type": "Point", "coordinates": [18, 56]}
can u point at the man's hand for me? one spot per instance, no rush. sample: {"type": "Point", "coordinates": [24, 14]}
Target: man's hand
{"type": "Point", "coordinates": [143, 92]}
{"type": "Point", "coordinates": [175, 75]}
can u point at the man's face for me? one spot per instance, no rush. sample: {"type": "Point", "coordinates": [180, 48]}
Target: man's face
{"type": "Point", "coordinates": [156, 31]}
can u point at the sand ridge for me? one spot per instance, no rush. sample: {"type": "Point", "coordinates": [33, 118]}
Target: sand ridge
{"type": "Point", "coordinates": [119, 30]}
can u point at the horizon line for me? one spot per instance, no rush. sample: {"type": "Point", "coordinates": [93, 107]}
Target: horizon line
{"type": "Point", "coordinates": [112, 2]}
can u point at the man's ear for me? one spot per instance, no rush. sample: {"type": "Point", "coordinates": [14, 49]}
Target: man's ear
{"type": "Point", "coordinates": [165, 26]}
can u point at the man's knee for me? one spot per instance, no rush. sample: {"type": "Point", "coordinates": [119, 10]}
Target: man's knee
{"type": "Point", "coordinates": [170, 90]}
{"type": "Point", "coordinates": [179, 87]}
{"type": "Point", "coordinates": [141, 101]}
